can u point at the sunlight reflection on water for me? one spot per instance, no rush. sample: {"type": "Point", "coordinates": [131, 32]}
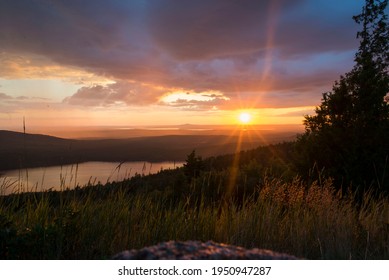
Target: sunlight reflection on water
{"type": "Point", "coordinates": [70, 176]}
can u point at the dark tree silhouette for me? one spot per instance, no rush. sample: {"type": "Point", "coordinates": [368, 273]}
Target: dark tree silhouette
{"type": "Point", "coordinates": [193, 165]}
{"type": "Point", "coordinates": [348, 137]}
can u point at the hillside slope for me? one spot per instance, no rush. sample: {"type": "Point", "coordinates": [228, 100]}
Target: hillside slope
{"type": "Point", "coordinates": [18, 150]}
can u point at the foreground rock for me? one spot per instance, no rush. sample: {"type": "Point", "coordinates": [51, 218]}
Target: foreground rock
{"type": "Point", "coordinates": [196, 250]}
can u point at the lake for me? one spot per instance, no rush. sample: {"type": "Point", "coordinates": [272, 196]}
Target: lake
{"type": "Point", "coordinates": [69, 176]}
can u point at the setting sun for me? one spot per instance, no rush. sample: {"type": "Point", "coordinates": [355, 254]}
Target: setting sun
{"type": "Point", "coordinates": [244, 117]}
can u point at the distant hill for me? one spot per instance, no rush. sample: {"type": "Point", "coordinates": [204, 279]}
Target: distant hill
{"type": "Point", "coordinates": [19, 150]}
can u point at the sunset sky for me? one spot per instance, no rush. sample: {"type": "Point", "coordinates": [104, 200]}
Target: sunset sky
{"type": "Point", "coordinates": [170, 62]}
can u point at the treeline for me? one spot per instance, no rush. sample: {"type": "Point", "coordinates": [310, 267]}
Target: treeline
{"type": "Point", "coordinates": [348, 137]}
{"type": "Point", "coordinates": [219, 178]}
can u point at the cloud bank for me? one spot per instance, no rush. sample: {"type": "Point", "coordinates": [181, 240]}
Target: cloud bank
{"type": "Point", "coordinates": [271, 53]}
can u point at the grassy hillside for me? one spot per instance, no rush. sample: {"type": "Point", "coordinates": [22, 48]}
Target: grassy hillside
{"type": "Point", "coordinates": [252, 198]}
{"type": "Point", "coordinates": [96, 223]}
{"type": "Point", "coordinates": [248, 199]}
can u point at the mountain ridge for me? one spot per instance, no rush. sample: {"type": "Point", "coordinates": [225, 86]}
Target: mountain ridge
{"type": "Point", "coordinates": [21, 150]}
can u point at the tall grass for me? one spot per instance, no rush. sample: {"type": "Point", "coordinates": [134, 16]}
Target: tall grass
{"type": "Point", "coordinates": [309, 221]}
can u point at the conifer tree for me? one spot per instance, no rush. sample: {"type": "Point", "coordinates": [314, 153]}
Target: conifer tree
{"type": "Point", "coordinates": [348, 137]}
{"type": "Point", "coordinates": [193, 166]}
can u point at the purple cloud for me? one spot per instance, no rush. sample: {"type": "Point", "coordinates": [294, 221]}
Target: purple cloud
{"type": "Point", "coordinates": [270, 50]}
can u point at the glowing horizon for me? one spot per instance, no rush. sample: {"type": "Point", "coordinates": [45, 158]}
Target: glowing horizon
{"type": "Point", "coordinates": [131, 69]}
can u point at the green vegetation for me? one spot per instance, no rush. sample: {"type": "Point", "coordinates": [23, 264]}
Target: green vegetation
{"type": "Point", "coordinates": [259, 209]}
{"type": "Point", "coordinates": [348, 138]}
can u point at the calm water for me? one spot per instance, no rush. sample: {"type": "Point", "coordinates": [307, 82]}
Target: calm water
{"type": "Point", "coordinates": [69, 176]}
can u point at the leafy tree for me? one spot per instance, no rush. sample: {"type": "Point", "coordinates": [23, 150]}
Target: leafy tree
{"type": "Point", "coordinates": [348, 138]}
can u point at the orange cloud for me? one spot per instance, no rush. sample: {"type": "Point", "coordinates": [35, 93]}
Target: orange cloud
{"type": "Point", "coordinates": [118, 93]}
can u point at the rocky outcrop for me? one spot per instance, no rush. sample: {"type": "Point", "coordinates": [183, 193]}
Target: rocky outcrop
{"type": "Point", "coordinates": [196, 250]}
